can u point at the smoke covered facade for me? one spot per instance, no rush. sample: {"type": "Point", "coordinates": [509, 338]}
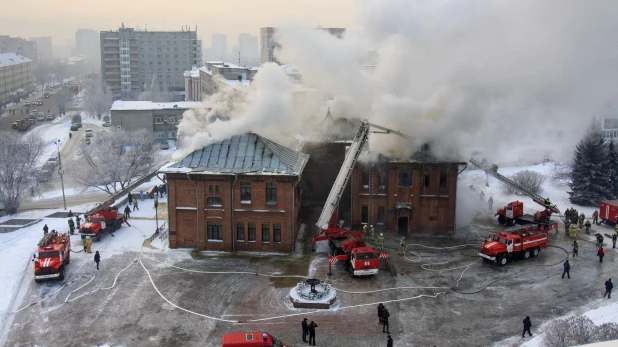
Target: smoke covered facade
{"type": "Point", "coordinates": [500, 77]}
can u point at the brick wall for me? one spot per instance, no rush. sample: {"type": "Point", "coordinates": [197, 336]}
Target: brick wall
{"type": "Point", "coordinates": [186, 230]}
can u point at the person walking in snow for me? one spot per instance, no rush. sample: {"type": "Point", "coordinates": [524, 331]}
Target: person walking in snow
{"type": "Point", "coordinates": [385, 325]}
{"type": "Point", "coordinates": [141, 195]}
{"type": "Point", "coordinates": [595, 217]}
{"type": "Point", "coordinates": [575, 248]}
{"type": "Point", "coordinates": [70, 214]}
{"type": "Point", "coordinates": [608, 288]}
{"type": "Point", "coordinates": [305, 327]}
{"type": "Point", "coordinates": [601, 254]}
{"type": "Point", "coordinates": [490, 202]}
{"type": "Point", "coordinates": [135, 205]}
{"type": "Point", "coordinates": [97, 259]}
{"type": "Point", "coordinates": [71, 226]}
{"type": "Point", "coordinates": [127, 212]}
{"type": "Point", "coordinates": [45, 229]}
{"type": "Point", "coordinates": [587, 225]}
{"type": "Point", "coordinates": [567, 268]}
{"type": "Point", "coordinates": [130, 197]}
{"type": "Point", "coordinates": [527, 326]}
{"type": "Point", "coordinates": [380, 312]}
{"type": "Point", "coordinates": [581, 220]}
{"type": "Point", "coordinates": [77, 221]}
{"type": "Point", "coordinates": [599, 239]}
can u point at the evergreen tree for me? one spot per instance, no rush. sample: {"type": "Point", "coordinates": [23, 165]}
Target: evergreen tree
{"type": "Point", "coordinates": [589, 177]}
{"type": "Point", "coordinates": [612, 171]}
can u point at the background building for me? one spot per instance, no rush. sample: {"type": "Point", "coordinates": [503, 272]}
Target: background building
{"type": "Point", "coordinates": [248, 196]}
{"type": "Point", "coordinates": [248, 48]}
{"type": "Point", "coordinates": [218, 48]}
{"type": "Point", "coordinates": [19, 46]}
{"type": "Point", "coordinates": [87, 44]}
{"type": "Point", "coordinates": [159, 118]}
{"type": "Point", "coordinates": [43, 46]}
{"type": "Point", "coordinates": [131, 59]}
{"type": "Point", "coordinates": [16, 79]}
{"type": "Point", "coordinates": [268, 43]}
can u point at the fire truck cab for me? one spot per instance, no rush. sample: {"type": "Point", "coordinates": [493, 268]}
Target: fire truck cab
{"type": "Point", "coordinates": [251, 339]}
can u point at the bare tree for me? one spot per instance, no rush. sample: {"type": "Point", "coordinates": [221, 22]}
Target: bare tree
{"type": "Point", "coordinates": [42, 73]}
{"type": "Point", "coordinates": [530, 180]}
{"type": "Point", "coordinates": [97, 99]}
{"type": "Point", "coordinates": [576, 331]}
{"type": "Point", "coordinates": [113, 160]}
{"type": "Point", "coordinates": [63, 98]}
{"type": "Point", "coordinates": [59, 69]}
{"type": "Point", "coordinates": [155, 93]}
{"type": "Point", "coordinates": [18, 158]}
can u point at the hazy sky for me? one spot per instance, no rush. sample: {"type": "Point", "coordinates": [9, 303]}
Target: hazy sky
{"type": "Point", "coordinates": [60, 18]}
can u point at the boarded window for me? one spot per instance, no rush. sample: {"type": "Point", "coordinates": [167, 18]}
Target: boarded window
{"type": "Point", "coordinates": [381, 215]}
{"type": "Point", "coordinates": [214, 201]}
{"type": "Point", "coordinates": [245, 191]}
{"type": "Point", "coordinates": [364, 214]}
{"type": "Point", "coordinates": [271, 193]}
{"type": "Point", "coordinates": [365, 176]}
{"type": "Point", "coordinates": [426, 178]}
{"type": "Point", "coordinates": [265, 232]}
{"type": "Point", "coordinates": [251, 230]}
{"type": "Point", "coordinates": [215, 231]}
{"type": "Point", "coordinates": [240, 231]}
{"type": "Point", "coordinates": [217, 189]}
{"type": "Point", "coordinates": [405, 177]}
{"type": "Point", "coordinates": [443, 178]}
{"type": "Point", "coordinates": [276, 232]}
{"type": "Point", "coordinates": [210, 188]}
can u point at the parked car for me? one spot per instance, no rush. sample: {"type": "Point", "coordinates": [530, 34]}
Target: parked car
{"type": "Point", "coordinates": [164, 145]}
{"type": "Point", "coordinates": [50, 116]}
{"type": "Point", "coordinates": [107, 124]}
{"type": "Point", "coordinates": [41, 117]}
{"type": "Point", "coordinates": [74, 127]}
{"type": "Point", "coordinates": [52, 161]}
{"type": "Point", "coordinates": [89, 133]}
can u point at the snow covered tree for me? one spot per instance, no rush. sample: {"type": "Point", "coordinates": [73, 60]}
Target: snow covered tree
{"type": "Point", "coordinates": [97, 99]}
{"type": "Point", "coordinates": [18, 157]}
{"type": "Point", "coordinates": [63, 99]}
{"type": "Point", "coordinates": [155, 93]}
{"type": "Point", "coordinates": [589, 177]}
{"type": "Point", "coordinates": [114, 159]}
{"type": "Point", "coordinates": [611, 169]}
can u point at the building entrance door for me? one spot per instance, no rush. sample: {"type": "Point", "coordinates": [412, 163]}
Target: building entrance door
{"type": "Point", "coordinates": [402, 225]}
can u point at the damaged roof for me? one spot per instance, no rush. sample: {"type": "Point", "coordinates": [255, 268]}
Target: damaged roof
{"type": "Point", "coordinates": [246, 153]}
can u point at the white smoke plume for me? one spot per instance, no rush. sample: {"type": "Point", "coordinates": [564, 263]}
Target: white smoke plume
{"type": "Point", "coordinates": [507, 78]}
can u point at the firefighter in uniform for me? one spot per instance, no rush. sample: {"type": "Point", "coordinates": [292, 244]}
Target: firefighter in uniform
{"type": "Point", "coordinates": [402, 246]}
{"type": "Point", "coordinates": [614, 238]}
{"type": "Point", "coordinates": [71, 226]}
{"type": "Point", "coordinates": [573, 231]}
{"type": "Point", "coordinates": [77, 221]}
{"type": "Point", "coordinates": [587, 225]}
{"type": "Point", "coordinates": [365, 232]}
{"type": "Point", "coordinates": [380, 242]}
{"type": "Point", "coordinates": [575, 248]}
{"type": "Point", "coordinates": [581, 220]}
{"type": "Point", "coordinates": [547, 207]}
{"type": "Point", "coordinates": [372, 233]}
{"type": "Point", "coordinates": [595, 217]}
{"type": "Point", "coordinates": [88, 242]}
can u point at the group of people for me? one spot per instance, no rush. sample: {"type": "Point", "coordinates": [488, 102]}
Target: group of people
{"type": "Point", "coordinates": [73, 225]}
{"type": "Point", "coordinates": [87, 242]}
{"type": "Point", "coordinates": [309, 330]}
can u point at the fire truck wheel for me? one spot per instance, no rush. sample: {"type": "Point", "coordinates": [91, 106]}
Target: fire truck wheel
{"type": "Point", "coordinates": [99, 236]}
{"type": "Point", "coordinates": [501, 219]}
{"type": "Point", "coordinates": [61, 274]}
{"type": "Point", "coordinates": [501, 260]}
{"type": "Point", "coordinates": [68, 261]}
{"type": "Point", "coordinates": [526, 254]}
{"type": "Point", "coordinates": [535, 251]}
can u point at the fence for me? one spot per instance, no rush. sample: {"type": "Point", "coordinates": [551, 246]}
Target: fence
{"type": "Point", "coordinates": [161, 232]}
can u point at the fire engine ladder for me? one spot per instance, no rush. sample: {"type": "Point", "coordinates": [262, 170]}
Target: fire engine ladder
{"type": "Point", "coordinates": [45, 240]}
{"type": "Point", "coordinates": [343, 176]}
{"type": "Point", "coordinates": [370, 207]}
{"type": "Point", "coordinates": [535, 197]}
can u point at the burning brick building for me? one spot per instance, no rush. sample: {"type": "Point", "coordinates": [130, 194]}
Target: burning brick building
{"type": "Point", "coordinates": [238, 194]}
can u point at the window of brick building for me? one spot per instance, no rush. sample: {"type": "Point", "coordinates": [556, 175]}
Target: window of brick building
{"type": "Point", "coordinates": [245, 192]}
{"type": "Point", "coordinates": [215, 231]}
{"type": "Point", "coordinates": [380, 214]}
{"type": "Point", "coordinates": [214, 201]}
{"type": "Point", "coordinates": [271, 193]}
{"type": "Point", "coordinates": [210, 188]}
{"type": "Point", "coordinates": [240, 231]}
{"type": "Point", "coordinates": [217, 191]}
{"type": "Point", "coordinates": [251, 230]}
{"type": "Point", "coordinates": [265, 232]}
{"type": "Point", "coordinates": [405, 177]}
{"type": "Point", "coordinates": [276, 232]}
{"type": "Point", "coordinates": [426, 178]}
{"type": "Point", "coordinates": [364, 214]}
{"type": "Point", "coordinates": [443, 178]}
{"type": "Point", "coordinates": [365, 170]}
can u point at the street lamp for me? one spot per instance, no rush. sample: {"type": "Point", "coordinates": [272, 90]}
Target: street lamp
{"type": "Point", "coordinates": [61, 173]}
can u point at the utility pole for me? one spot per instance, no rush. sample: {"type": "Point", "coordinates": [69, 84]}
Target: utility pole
{"type": "Point", "coordinates": [61, 173]}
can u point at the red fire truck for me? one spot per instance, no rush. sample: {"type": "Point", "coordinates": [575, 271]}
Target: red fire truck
{"type": "Point", "coordinates": [106, 219]}
{"type": "Point", "coordinates": [608, 211]}
{"type": "Point", "coordinates": [523, 242]}
{"type": "Point", "coordinates": [251, 339]}
{"type": "Point", "coordinates": [54, 254]}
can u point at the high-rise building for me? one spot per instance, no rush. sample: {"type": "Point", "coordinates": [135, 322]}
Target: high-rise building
{"type": "Point", "coordinates": [131, 59]}
{"type": "Point", "coordinates": [43, 47]}
{"type": "Point", "coordinates": [19, 46]}
{"type": "Point", "coordinates": [219, 46]}
{"type": "Point", "coordinates": [268, 44]}
{"type": "Point", "coordinates": [248, 47]}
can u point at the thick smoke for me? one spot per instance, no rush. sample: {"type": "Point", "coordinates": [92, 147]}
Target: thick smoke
{"type": "Point", "coordinates": [514, 80]}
